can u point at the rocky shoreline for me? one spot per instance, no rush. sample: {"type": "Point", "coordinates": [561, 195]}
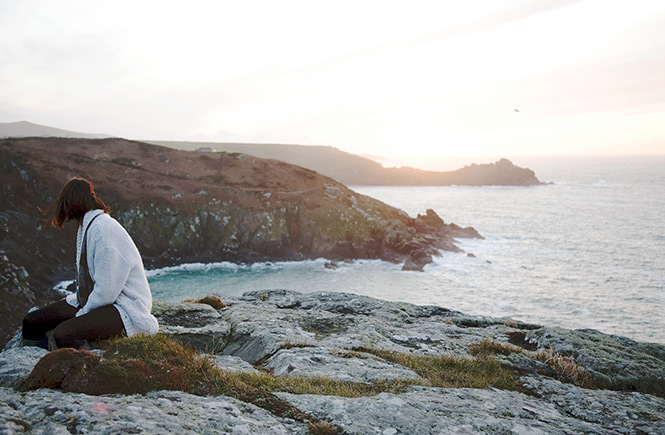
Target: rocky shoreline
{"type": "Point", "coordinates": [348, 338]}
{"type": "Point", "coordinates": [181, 207]}
{"type": "Point", "coordinates": [384, 367]}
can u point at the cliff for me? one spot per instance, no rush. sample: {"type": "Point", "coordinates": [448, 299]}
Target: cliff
{"type": "Point", "coordinates": [352, 169]}
{"type": "Point", "coordinates": [182, 206]}
{"type": "Point", "coordinates": [290, 363]}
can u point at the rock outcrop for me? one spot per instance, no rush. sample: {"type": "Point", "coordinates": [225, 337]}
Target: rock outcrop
{"type": "Point", "coordinates": [183, 207]}
{"type": "Point", "coordinates": [16, 296]}
{"type": "Point", "coordinates": [330, 335]}
{"type": "Point", "coordinates": [565, 409]}
{"type": "Point", "coordinates": [159, 412]}
{"type": "Point", "coordinates": [417, 260]}
{"type": "Point", "coordinates": [197, 325]}
{"type": "Point", "coordinates": [615, 362]}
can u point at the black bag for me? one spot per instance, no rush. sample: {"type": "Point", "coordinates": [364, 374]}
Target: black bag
{"type": "Point", "coordinates": [84, 283]}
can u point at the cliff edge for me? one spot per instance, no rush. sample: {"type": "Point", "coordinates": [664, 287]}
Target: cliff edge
{"type": "Point", "coordinates": [182, 206]}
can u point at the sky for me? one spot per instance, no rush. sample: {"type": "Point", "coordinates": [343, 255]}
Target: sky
{"type": "Point", "coordinates": [412, 82]}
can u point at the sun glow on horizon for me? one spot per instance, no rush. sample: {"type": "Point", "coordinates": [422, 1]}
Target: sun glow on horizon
{"type": "Point", "coordinates": [427, 80]}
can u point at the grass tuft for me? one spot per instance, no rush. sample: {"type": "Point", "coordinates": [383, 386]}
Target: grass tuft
{"type": "Point", "coordinates": [213, 301]}
{"type": "Point", "coordinates": [149, 349]}
{"type": "Point", "coordinates": [447, 371]}
{"type": "Point", "coordinates": [318, 385]}
{"type": "Point", "coordinates": [488, 347]}
{"type": "Point", "coordinates": [162, 363]}
{"type": "Point", "coordinates": [566, 368]}
{"type": "Point", "coordinates": [323, 428]}
{"type": "Point", "coordinates": [291, 344]}
{"type": "Point", "coordinates": [144, 363]}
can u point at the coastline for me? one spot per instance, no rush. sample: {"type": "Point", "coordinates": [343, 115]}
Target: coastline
{"type": "Point", "coordinates": [451, 281]}
{"type": "Point", "coordinates": [183, 206]}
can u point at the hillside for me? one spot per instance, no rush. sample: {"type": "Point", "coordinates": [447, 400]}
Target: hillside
{"type": "Point", "coordinates": [29, 129]}
{"type": "Point", "coordinates": [182, 206]}
{"type": "Point", "coordinates": [349, 169]}
{"type": "Point", "coordinates": [352, 169]}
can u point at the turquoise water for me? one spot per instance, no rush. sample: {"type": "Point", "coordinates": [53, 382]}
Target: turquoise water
{"type": "Point", "coordinates": [585, 252]}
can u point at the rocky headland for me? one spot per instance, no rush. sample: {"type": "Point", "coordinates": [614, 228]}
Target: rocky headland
{"type": "Point", "coordinates": [352, 169]}
{"type": "Point", "coordinates": [381, 368]}
{"type": "Point", "coordinates": [182, 206]}
{"type": "Point", "coordinates": [347, 168]}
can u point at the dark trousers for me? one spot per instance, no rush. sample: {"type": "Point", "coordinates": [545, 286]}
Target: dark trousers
{"type": "Point", "coordinates": [69, 330]}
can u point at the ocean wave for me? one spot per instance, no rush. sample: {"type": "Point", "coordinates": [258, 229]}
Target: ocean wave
{"type": "Point", "coordinates": [258, 266]}
{"type": "Point", "coordinates": [192, 267]}
{"type": "Point", "coordinates": [227, 266]}
{"type": "Point", "coordinates": [62, 286]}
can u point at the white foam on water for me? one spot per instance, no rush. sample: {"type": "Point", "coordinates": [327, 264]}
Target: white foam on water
{"type": "Point", "coordinates": [191, 267]}
{"type": "Point", "coordinates": [61, 287]}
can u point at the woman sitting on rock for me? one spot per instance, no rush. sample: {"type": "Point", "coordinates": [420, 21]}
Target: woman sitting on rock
{"type": "Point", "coordinates": [112, 294]}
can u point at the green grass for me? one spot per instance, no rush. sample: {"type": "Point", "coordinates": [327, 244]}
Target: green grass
{"type": "Point", "coordinates": [447, 371]}
{"type": "Point", "coordinates": [145, 363]}
{"type": "Point", "coordinates": [488, 347]}
{"type": "Point", "coordinates": [320, 385]}
{"type": "Point", "coordinates": [199, 375]}
{"type": "Point", "coordinates": [213, 301]}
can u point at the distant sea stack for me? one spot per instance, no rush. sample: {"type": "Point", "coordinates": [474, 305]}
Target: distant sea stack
{"type": "Point", "coordinates": [186, 206]}
{"type": "Point", "coordinates": [501, 173]}
{"type": "Point", "coordinates": [351, 169]}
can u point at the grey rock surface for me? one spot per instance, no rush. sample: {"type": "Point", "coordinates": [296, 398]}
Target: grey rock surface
{"type": "Point", "coordinates": [232, 364]}
{"type": "Point", "coordinates": [198, 325]}
{"type": "Point", "coordinates": [618, 411]}
{"type": "Point", "coordinates": [262, 322]}
{"type": "Point", "coordinates": [159, 412]}
{"type": "Point", "coordinates": [16, 340]}
{"type": "Point", "coordinates": [417, 260]}
{"type": "Point", "coordinates": [616, 362]}
{"type": "Point", "coordinates": [322, 335]}
{"type": "Point", "coordinates": [426, 410]}
{"type": "Point", "coordinates": [340, 366]}
{"type": "Point", "coordinates": [17, 363]}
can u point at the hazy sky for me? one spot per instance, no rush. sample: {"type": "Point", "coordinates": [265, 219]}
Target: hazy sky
{"type": "Point", "coordinates": [408, 80]}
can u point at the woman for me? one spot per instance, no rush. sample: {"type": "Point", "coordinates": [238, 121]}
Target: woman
{"type": "Point", "coordinates": [112, 294]}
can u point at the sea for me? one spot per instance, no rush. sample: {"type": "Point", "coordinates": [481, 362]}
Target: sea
{"type": "Point", "coordinates": [586, 251]}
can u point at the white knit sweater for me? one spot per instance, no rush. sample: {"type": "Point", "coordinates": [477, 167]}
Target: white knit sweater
{"type": "Point", "coordinates": [116, 269]}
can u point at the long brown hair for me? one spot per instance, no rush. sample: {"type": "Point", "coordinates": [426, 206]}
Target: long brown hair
{"type": "Point", "coordinates": [76, 198]}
